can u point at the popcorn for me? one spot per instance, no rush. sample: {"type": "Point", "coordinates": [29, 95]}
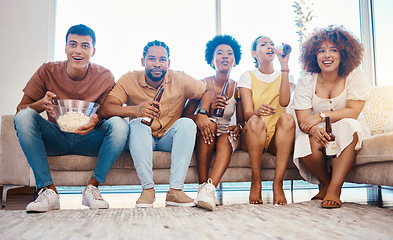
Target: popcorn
{"type": "Point", "coordinates": [71, 121]}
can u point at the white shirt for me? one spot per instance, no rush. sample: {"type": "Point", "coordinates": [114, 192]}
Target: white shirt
{"type": "Point", "coordinates": [245, 78]}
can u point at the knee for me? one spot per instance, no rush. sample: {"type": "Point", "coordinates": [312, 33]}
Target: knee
{"type": "Point", "coordinates": [256, 124]}
{"type": "Point", "coordinates": [24, 118]}
{"type": "Point", "coordinates": [212, 127]}
{"type": "Point", "coordinates": [187, 124]}
{"type": "Point", "coordinates": [118, 126]}
{"type": "Point", "coordinates": [25, 114]}
{"type": "Point", "coordinates": [286, 121]}
{"type": "Point", "coordinates": [137, 124]}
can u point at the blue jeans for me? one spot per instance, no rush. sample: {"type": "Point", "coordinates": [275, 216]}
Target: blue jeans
{"type": "Point", "coordinates": [179, 139]}
{"type": "Point", "coordinates": [40, 138]}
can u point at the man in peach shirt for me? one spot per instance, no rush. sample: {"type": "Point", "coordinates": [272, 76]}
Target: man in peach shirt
{"type": "Point", "coordinates": [169, 131]}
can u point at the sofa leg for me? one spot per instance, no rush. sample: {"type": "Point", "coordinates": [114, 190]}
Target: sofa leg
{"type": "Point", "coordinates": [5, 190]}
{"type": "Point", "coordinates": [219, 194]}
{"type": "Point", "coordinates": [292, 191]}
{"type": "Point", "coordinates": [374, 196]}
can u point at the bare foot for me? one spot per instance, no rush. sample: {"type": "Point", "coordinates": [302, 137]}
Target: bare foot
{"type": "Point", "coordinates": [255, 193]}
{"type": "Point", "coordinates": [321, 194]}
{"type": "Point", "coordinates": [278, 194]}
{"type": "Point", "coordinates": [328, 203]}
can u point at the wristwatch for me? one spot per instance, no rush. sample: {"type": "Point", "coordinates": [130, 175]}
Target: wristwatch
{"type": "Point", "coordinates": [202, 111]}
{"type": "Point", "coordinates": [323, 116]}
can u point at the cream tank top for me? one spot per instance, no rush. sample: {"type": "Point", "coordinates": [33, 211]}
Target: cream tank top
{"type": "Point", "coordinates": [224, 121]}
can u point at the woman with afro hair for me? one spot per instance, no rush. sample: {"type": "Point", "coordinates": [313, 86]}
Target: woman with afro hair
{"type": "Point", "coordinates": [265, 94]}
{"type": "Point", "coordinates": [222, 53]}
{"type": "Point", "coordinates": [332, 86]}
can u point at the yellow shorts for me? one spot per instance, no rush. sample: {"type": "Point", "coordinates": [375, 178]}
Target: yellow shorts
{"type": "Point", "coordinates": [269, 137]}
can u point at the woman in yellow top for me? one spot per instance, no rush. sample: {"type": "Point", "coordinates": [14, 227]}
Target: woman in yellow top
{"type": "Point", "coordinates": [265, 93]}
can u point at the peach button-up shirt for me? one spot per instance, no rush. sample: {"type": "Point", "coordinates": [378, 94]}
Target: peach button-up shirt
{"type": "Point", "coordinates": [131, 89]}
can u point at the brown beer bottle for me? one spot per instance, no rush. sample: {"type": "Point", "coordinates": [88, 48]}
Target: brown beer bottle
{"type": "Point", "coordinates": [147, 120]}
{"type": "Point", "coordinates": [330, 150]}
{"type": "Point", "coordinates": [220, 112]}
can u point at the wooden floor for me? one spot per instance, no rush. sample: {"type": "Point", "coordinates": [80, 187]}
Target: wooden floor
{"type": "Point", "coordinates": [366, 213]}
{"type": "Point", "coordinates": [303, 220]}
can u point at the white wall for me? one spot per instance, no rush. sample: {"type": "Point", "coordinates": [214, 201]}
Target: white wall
{"type": "Point", "coordinates": [26, 41]}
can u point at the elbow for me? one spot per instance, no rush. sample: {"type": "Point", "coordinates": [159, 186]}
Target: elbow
{"type": "Point", "coordinates": [104, 112]}
{"type": "Point", "coordinates": [284, 103]}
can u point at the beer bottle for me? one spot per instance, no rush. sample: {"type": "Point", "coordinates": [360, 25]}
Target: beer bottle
{"type": "Point", "coordinates": [220, 112]}
{"type": "Point", "coordinates": [147, 120]}
{"type": "Point", "coordinates": [284, 49]}
{"type": "Point", "coordinates": [330, 150]}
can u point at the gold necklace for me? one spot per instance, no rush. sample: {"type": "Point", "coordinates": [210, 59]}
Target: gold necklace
{"type": "Point", "coordinates": [331, 89]}
{"type": "Point", "coordinates": [214, 85]}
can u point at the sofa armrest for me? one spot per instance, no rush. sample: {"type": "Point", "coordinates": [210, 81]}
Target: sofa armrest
{"type": "Point", "coordinates": [14, 168]}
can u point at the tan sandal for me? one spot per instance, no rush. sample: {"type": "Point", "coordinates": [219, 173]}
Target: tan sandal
{"type": "Point", "coordinates": [333, 198]}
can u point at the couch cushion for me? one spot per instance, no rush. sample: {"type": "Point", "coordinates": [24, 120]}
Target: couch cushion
{"type": "Point", "coordinates": [161, 160]}
{"type": "Point", "coordinates": [377, 110]}
{"type": "Point", "coordinates": [377, 148]}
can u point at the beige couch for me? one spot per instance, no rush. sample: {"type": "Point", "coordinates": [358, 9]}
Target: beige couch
{"type": "Point", "coordinates": [373, 165]}
{"type": "Point", "coordinates": [75, 170]}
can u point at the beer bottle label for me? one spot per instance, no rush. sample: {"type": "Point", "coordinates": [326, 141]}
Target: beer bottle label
{"type": "Point", "coordinates": [331, 148]}
{"type": "Point", "coordinates": [147, 119]}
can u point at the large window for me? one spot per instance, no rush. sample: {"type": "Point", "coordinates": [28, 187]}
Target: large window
{"type": "Point", "coordinates": [277, 20]}
{"type": "Point", "coordinates": [123, 28]}
{"type": "Point", "coordinates": [383, 38]}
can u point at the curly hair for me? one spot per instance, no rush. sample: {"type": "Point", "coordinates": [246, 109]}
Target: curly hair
{"type": "Point", "coordinates": [350, 48]}
{"type": "Point", "coordinates": [222, 39]}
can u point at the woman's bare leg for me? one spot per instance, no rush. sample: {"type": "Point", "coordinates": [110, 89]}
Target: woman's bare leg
{"type": "Point", "coordinates": [282, 146]}
{"type": "Point", "coordinates": [316, 163]}
{"type": "Point", "coordinates": [253, 141]}
{"type": "Point", "coordinates": [203, 154]}
{"type": "Point", "coordinates": [340, 169]}
{"type": "Point", "coordinates": [222, 158]}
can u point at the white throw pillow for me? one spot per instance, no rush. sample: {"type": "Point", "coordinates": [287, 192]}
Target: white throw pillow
{"type": "Point", "coordinates": [378, 109]}
{"type": "Point", "coordinates": [388, 127]}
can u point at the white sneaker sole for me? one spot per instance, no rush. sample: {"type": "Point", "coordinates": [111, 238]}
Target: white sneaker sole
{"type": "Point", "coordinates": [143, 205]}
{"type": "Point", "coordinates": [32, 210]}
{"type": "Point", "coordinates": [84, 203]}
{"type": "Point", "coordinates": [190, 204]}
{"type": "Point", "coordinates": [206, 205]}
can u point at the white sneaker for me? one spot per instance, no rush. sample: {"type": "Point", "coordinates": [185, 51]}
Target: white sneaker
{"type": "Point", "coordinates": [47, 200]}
{"type": "Point", "coordinates": [205, 197]}
{"type": "Point", "coordinates": [92, 198]}
{"type": "Point", "coordinates": [200, 186]}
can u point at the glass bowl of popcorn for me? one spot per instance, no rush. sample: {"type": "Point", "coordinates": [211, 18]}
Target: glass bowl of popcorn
{"type": "Point", "coordinates": [71, 114]}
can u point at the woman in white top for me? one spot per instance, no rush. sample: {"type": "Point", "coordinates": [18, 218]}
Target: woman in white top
{"type": "Point", "coordinates": [222, 54]}
{"type": "Point", "coordinates": [331, 87]}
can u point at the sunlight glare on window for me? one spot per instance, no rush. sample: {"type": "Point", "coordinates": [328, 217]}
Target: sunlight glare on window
{"type": "Point", "coordinates": [124, 27]}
